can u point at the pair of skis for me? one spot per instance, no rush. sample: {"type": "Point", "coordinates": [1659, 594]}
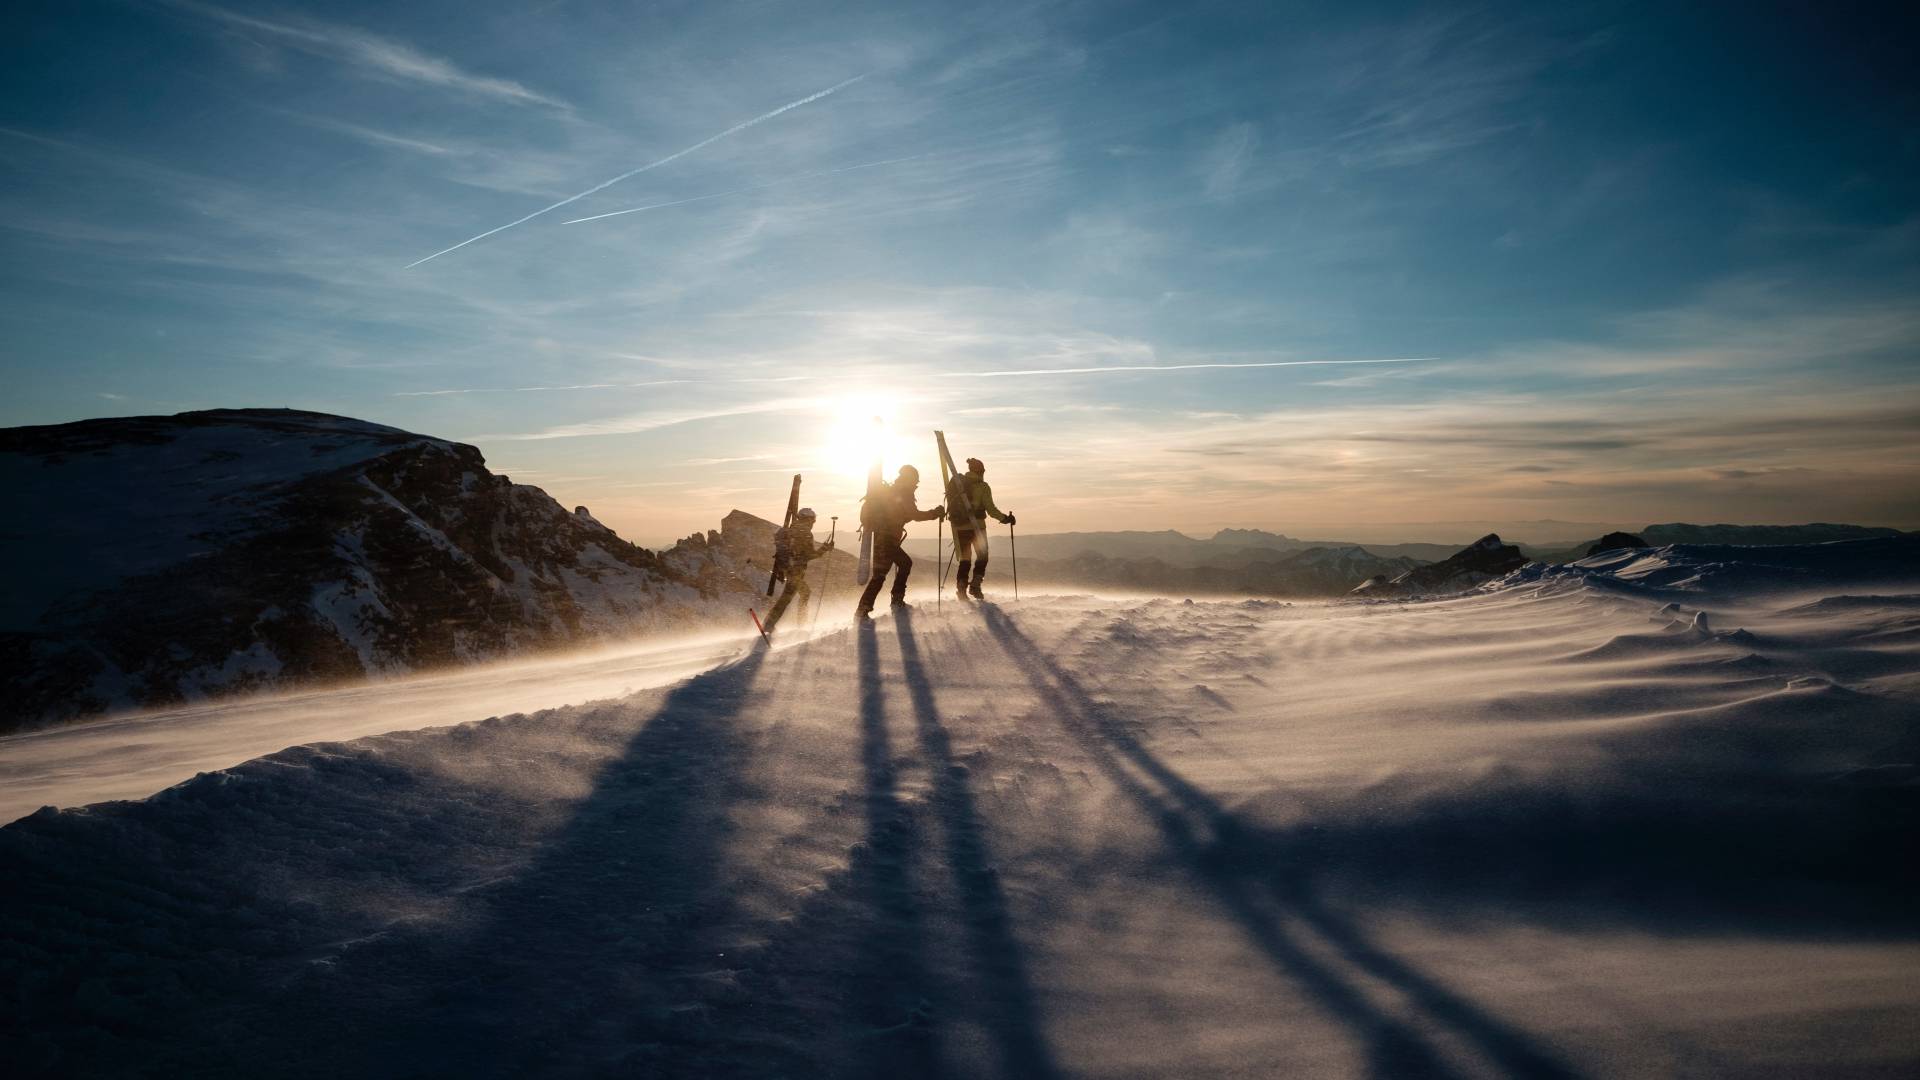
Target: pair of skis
{"type": "Point", "coordinates": [779, 572]}
{"type": "Point", "coordinates": [955, 493]}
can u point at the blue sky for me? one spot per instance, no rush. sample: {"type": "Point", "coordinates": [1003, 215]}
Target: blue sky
{"type": "Point", "coordinates": [1636, 263]}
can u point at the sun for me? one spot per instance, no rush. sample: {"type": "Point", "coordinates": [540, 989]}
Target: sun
{"type": "Point", "coordinates": [861, 427]}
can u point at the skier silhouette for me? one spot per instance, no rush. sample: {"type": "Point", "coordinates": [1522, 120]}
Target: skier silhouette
{"type": "Point", "coordinates": [885, 516]}
{"type": "Point", "coordinates": [970, 533]}
{"type": "Point", "coordinates": [793, 549]}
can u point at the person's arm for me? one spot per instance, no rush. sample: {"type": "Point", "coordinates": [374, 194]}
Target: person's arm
{"type": "Point", "coordinates": [983, 502]}
{"type": "Point", "coordinates": [924, 515]}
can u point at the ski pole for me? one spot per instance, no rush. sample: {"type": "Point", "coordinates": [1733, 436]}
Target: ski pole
{"type": "Point", "coordinates": [939, 587]}
{"type": "Point", "coordinates": [1013, 548]}
{"type": "Point", "coordinates": [826, 576]}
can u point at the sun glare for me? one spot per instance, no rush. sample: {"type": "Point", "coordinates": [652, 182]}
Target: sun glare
{"type": "Point", "coordinates": [861, 427]}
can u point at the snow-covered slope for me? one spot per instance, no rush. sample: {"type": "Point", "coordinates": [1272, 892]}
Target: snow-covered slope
{"type": "Point", "coordinates": [1591, 821]}
{"type": "Point", "coordinates": [159, 559]}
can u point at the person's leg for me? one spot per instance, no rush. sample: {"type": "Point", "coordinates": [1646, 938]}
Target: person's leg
{"type": "Point", "coordinates": [903, 565]}
{"type": "Point", "coordinates": [979, 560]}
{"type": "Point", "coordinates": [882, 558]}
{"type": "Point", "coordinates": [963, 550]}
{"type": "Point", "coordinates": [780, 606]}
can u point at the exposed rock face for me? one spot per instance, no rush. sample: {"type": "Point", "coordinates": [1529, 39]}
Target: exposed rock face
{"type": "Point", "coordinates": [1483, 560]}
{"type": "Point", "coordinates": [1614, 541]}
{"type": "Point", "coordinates": [734, 561]}
{"type": "Point", "coordinates": [162, 559]}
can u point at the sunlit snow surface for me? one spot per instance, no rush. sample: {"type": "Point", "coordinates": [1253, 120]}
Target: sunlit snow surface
{"type": "Point", "coordinates": [1577, 823]}
{"type": "Point", "coordinates": [132, 756]}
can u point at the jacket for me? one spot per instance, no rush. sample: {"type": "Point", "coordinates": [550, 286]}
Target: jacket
{"type": "Point", "coordinates": [979, 495]}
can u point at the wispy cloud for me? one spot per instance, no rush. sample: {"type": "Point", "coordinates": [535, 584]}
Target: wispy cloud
{"type": "Point", "coordinates": [1122, 368]}
{"type": "Point", "coordinates": [1227, 160]}
{"type": "Point", "coordinates": [636, 423]}
{"type": "Point", "coordinates": [675, 156]}
{"type": "Point", "coordinates": [372, 54]}
{"type": "Point", "coordinates": [376, 137]}
{"type": "Point", "coordinates": [537, 389]}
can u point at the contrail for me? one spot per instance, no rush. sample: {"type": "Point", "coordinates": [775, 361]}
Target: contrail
{"type": "Point", "coordinates": [743, 190]}
{"type": "Point", "coordinates": [1163, 367]}
{"type": "Point", "coordinates": [734, 130]}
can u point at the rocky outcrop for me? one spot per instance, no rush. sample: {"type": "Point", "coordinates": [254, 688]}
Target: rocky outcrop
{"type": "Point", "coordinates": [169, 558]}
{"type": "Point", "coordinates": [1483, 560]}
{"type": "Point", "coordinates": [734, 560]}
{"type": "Point", "coordinates": [1615, 541]}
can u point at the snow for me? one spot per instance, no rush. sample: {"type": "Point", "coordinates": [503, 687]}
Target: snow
{"type": "Point", "coordinates": [136, 754]}
{"type": "Point", "coordinates": [1639, 817]}
{"type": "Point", "coordinates": [178, 494]}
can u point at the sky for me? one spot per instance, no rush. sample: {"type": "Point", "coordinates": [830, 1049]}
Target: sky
{"type": "Point", "coordinates": [1304, 267]}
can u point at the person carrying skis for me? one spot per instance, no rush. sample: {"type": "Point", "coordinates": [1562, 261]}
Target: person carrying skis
{"type": "Point", "coordinates": [793, 549]}
{"type": "Point", "coordinates": [886, 515]}
{"type": "Point", "coordinates": [970, 491]}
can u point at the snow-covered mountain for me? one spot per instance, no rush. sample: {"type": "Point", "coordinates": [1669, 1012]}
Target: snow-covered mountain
{"type": "Point", "coordinates": [1483, 560]}
{"type": "Point", "coordinates": [159, 559]}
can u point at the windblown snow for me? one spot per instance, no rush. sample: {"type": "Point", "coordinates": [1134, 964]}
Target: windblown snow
{"type": "Point", "coordinates": [1648, 814]}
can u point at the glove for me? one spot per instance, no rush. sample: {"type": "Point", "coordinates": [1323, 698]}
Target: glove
{"type": "Point", "coordinates": [1009, 520]}
{"type": "Point", "coordinates": [828, 546]}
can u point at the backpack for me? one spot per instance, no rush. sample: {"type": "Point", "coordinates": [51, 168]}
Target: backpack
{"type": "Point", "coordinates": [874, 508]}
{"type": "Point", "coordinates": [782, 553]}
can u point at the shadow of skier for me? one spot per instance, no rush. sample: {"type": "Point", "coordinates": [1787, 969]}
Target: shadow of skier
{"type": "Point", "coordinates": [893, 990]}
{"type": "Point", "coordinates": [1003, 991]}
{"type": "Point", "coordinates": [1237, 865]}
{"type": "Point", "coordinates": [600, 944]}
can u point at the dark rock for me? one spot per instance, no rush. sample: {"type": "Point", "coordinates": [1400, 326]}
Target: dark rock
{"type": "Point", "coordinates": [1614, 541]}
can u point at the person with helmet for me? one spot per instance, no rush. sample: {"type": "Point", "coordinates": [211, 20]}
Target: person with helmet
{"type": "Point", "coordinates": [793, 549]}
{"type": "Point", "coordinates": [969, 491]}
{"type": "Point", "coordinates": [887, 513]}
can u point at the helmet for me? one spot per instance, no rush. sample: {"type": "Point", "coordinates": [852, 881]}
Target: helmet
{"type": "Point", "coordinates": [805, 513]}
{"type": "Point", "coordinates": [974, 464]}
{"type": "Point", "coordinates": [909, 473]}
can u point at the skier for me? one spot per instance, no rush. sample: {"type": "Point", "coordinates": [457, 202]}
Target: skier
{"type": "Point", "coordinates": [970, 490]}
{"type": "Point", "coordinates": [793, 549]}
{"type": "Point", "coordinates": [886, 515]}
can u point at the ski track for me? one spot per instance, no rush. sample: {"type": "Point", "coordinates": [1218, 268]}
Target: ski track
{"type": "Point", "coordinates": [1538, 831]}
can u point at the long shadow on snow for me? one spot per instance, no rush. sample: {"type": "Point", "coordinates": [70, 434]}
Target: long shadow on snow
{"type": "Point", "coordinates": [597, 946]}
{"type": "Point", "coordinates": [1002, 984]}
{"type": "Point", "coordinates": [1229, 859]}
{"type": "Point", "coordinates": [846, 986]}
{"type": "Point", "coordinates": [843, 987]}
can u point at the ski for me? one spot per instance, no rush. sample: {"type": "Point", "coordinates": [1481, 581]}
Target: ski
{"type": "Point", "coordinates": [875, 477]}
{"type": "Point", "coordinates": [955, 493]}
{"type": "Point", "coordinates": [793, 506]}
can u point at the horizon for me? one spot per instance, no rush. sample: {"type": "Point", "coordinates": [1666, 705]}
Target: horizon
{"type": "Point", "coordinates": [1316, 272]}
